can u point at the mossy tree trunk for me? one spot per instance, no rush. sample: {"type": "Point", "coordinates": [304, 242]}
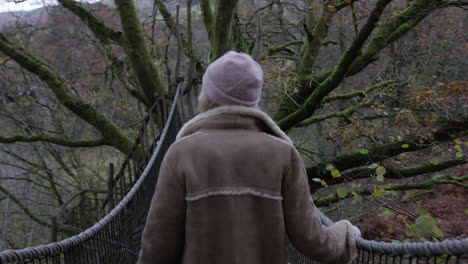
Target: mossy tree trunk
{"type": "Point", "coordinates": [208, 18]}
{"type": "Point", "coordinates": [131, 39]}
{"type": "Point", "coordinates": [219, 25]}
{"type": "Point", "coordinates": [137, 51]}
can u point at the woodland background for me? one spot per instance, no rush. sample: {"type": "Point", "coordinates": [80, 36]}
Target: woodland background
{"type": "Point", "coordinates": [373, 93]}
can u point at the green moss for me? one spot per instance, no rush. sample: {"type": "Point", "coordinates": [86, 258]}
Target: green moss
{"type": "Point", "coordinates": [137, 51]}
{"type": "Point", "coordinates": [390, 31]}
{"type": "Point", "coordinates": [222, 34]}
{"type": "Point", "coordinates": [111, 133]}
{"type": "Point", "coordinates": [208, 19]}
{"type": "Point", "coordinates": [101, 30]}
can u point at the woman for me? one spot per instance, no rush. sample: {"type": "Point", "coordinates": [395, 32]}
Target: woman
{"type": "Point", "coordinates": [233, 187]}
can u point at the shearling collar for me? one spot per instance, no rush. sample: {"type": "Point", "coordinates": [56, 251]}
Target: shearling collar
{"type": "Point", "coordinates": [257, 115]}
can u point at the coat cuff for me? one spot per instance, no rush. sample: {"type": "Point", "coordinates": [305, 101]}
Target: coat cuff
{"type": "Point", "coordinates": [140, 258]}
{"type": "Point", "coordinates": [350, 241]}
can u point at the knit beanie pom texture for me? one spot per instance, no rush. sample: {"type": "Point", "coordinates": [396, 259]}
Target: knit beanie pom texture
{"type": "Point", "coordinates": [233, 79]}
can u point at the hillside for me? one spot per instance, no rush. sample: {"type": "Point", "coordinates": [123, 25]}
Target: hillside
{"type": "Point", "coordinates": [34, 17]}
{"type": "Point", "coordinates": [40, 16]}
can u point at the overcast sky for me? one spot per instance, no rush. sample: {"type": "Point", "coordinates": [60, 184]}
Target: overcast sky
{"type": "Point", "coordinates": [11, 6]}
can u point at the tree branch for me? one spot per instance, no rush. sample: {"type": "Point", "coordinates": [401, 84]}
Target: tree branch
{"type": "Point", "coordinates": [23, 207]}
{"type": "Point", "coordinates": [344, 113]}
{"type": "Point", "coordinates": [111, 133]}
{"type": "Point", "coordinates": [222, 27]}
{"type": "Point", "coordinates": [358, 93]}
{"type": "Point", "coordinates": [101, 30]}
{"type": "Point", "coordinates": [4, 61]}
{"type": "Point", "coordinates": [9, 241]}
{"type": "Point", "coordinates": [344, 4]}
{"type": "Point", "coordinates": [391, 173]}
{"type": "Point", "coordinates": [167, 17]}
{"type": "Point", "coordinates": [440, 179]}
{"type": "Point", "coordinates": [137, 51]}
{"type": "Point", "coordinates": [390, 31]}
{"type": "Point", "coordinates": [208, 18]}
{"type": "Point", "coordinates": [385, 151]}
{"type": "Point", "coordinates": [316, 31]}
{"type": "Point", "coordinates": [173, 27]}
{"type": "Point", "coordinates": [348, 111]}
{"type": "Point", "coordinates": [50, 176]}
{"type": "Point", "coordinates": [284, 47]}
{"type": "Point", "coordinates": [257, 50]}
{"type": "Point", "coordinates": [117, 69]}
{"type": "Point", "coordinates": [55, 140]}
{"type": "Point", "coordinates": [455, 3]}
{"type": "Point", "coordinates": [313, 102]}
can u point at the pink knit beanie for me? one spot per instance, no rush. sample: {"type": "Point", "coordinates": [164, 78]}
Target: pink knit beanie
{"type": "Point", "coordinates": [233, 79]}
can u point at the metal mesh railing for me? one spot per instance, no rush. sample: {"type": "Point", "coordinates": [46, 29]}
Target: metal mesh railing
{"type": "Point", "coordinates": [116, 237]}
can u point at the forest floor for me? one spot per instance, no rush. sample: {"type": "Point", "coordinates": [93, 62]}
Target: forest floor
{"type": "Point", "coordinates": [446, 203]}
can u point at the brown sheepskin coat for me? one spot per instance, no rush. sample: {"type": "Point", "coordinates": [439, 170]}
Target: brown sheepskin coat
{"type": "Point", "coordinates": [230, 190]}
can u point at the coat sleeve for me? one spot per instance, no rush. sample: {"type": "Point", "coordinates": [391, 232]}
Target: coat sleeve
{"type": "Point", "coordinates": [163, 237]}
{"type": "Point", "coordinates": [334, 244]}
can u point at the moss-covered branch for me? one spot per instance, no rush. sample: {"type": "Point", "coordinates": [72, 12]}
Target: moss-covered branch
{"type": "Point", "coordinates": [4, 61]}
{"type": "Point", "coordinates": [239, 43]}
{"type": "Point", "coordinates": [342, 4]}
{"type": "Point", "coordinates": [439, 179]}
{"type": "Point", "coordinates": [167, 17]}
{"type": "Point", "coordinates": [379, 153]}
{"type": "Point", "coordinates": [124, 78]}
{"type": "Point", "coordinates": [23, 207]}
{"type": "Point", "coordinates": [101, 30]}
{"type": "Point", "coordinates": [409, 172]}
{"type": "Point", "coordinates": [314, 100]}
{"type": "Point", "coordinates": [357, 93]}
{"type": "Point", "coordinates": [328, 42]}
{"type": "Point", "coordinates": [390, 31]}
{"type": "Point", "coordinates": [55, 140]}
{"type": "Point", "coordinates": [174, 28]}
{"type": "Point", "coordinates": [346, 113]}
{"type": "Point", "coordinates": [138, 53]}
{"type": "Point", "coordinates": [316, 31]}
{"type": "Point", "coordinates": [284, 47]}
{"type": "Point", "coordinates": [110, 132]}
{"type": "Point", "coordinates": [391, 173]}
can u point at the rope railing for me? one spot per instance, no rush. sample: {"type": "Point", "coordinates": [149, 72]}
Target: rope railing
{"type": "Point", "coordinates": [370, 251]}
{"type": "Point", "coordinates": [138, 157]}
{"type": "Point", "coordinates": [88, 206]}
{"type": "Point", "coordinates": [116, 237]}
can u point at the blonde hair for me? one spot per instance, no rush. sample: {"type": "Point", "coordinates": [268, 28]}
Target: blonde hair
{"type": "Point", "coordinates": [205, 103]}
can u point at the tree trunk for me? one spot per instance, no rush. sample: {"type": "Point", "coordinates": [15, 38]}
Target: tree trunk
{"type": "Point", "coordinates": [138, 53]}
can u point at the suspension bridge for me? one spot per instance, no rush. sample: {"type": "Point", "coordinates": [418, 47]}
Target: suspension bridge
{"type": "Point", "coordinates": [115, 232]}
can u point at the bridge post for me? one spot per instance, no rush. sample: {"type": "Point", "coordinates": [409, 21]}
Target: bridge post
{"type": "Point", "coordinates": [110, 188]}
{"type": "Point", "coordinates": [53, 229]}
